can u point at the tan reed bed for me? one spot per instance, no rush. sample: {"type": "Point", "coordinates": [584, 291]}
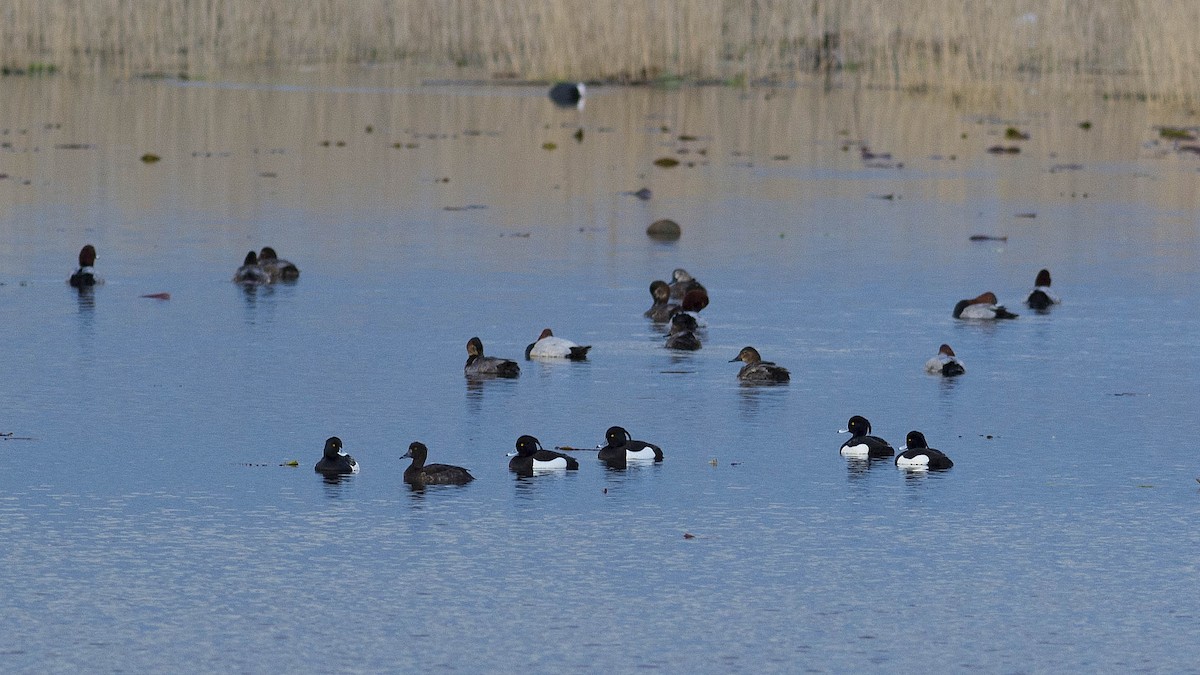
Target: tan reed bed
{"type": "Point", "coordinates": [1124, 47]}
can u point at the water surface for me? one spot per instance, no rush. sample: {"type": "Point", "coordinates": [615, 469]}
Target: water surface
{"type": "Point", "coordinates": [151, 522]}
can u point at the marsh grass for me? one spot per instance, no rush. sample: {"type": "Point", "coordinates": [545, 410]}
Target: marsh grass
{"type": "Point", "coordinates": [1118, 47]}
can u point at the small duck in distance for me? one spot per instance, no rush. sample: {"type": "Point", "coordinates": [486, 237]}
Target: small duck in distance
{"type": "Point", "coordinates": [85, 276]}
{"type": "Point", "coordinates": [663, 309]}
{"type": "Point", "coordinates": [619, 447]}
{"type": "Point", "coordinates": [758, 371]}
{"type": "Point", "coordinates": [250, 274]}
{"type": "Point", "coordinates": [1040, 298]}
{"type": "Point", "coordinates": [334, 461]}
{"type": "Point", "coordinates": [548, 346]}
{"type": "Point", "coordinates": [479, 365]}
{"type": "Point", "coordinates": [277, 268]}
{"type": "Point", "coordinates": [982, 307]}
{"type": "Point", "coordinates": [916, 455]}
{"type": "Point", "coordinates": [862, 445]}
{"type": "Point", "coordinates": [530, 457]}
{"type": "Point", "coordinates": [682, 336]}
{"type": "Point", "coordinates": [419, 473]}
{"type": "Point", "coordinates": [682, 282]}
{"type": "Point", "coordinates": [568, 94]}
{"type": "Point", "coordinates": [945, 363]}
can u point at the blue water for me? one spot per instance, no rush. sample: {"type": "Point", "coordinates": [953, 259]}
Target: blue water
{"type": "Point", "coordinates": [152, 522]}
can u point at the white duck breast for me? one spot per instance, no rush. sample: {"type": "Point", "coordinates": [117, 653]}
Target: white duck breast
{"type": "Point", "coordinates": [860, 451]}
{"type": "Point", "coordinates": [644, 452]}
{"type": "Point", "coordinates": [935, 365]}
{"type": "Point", "coordinates": [555, 348]}
{"type": "Point", "coordinates": [556, 463]}
{"type": "Point", "coordinates": [917, 462]}
{"type": "Point", "coordinates": [979, 311]}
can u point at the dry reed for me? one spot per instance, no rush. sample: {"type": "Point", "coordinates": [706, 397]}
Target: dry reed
{"type": "Point", "coordinates": [1125, 47]}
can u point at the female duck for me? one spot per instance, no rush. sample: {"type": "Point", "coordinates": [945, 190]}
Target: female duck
{"type": "Point", "coordinates": [1041, 298]}
{"type": "Point", "coordinates": [682, 336]}
{"type": "Point", "coordinates": [479, 365]}
{"type": "Point", "coordinates": [531, 457]}
{"type": "Point", "coordinates": [621, 447]}
{"type": "Point", "coordinates": [85, 276]}
{"type": "Point", "coordinates": [757, 370]}
{"type": "Point", "coordinates": [250, 273]}
{"type": "Point", "coordinates": [918, 456]}
{"type": "Point", "coordinates": [277, 268]}
{"type": "Point", "coordinates": [335, 461]}
{"type": "Point", "coordinates": [945, 363]}
{"type": "Point", "coordinates": [983, 307]}
{"type": "Point", "coordinates": [420, 473]}
{"type": "Point", "coordinates": [862, 445]}
{"type": "Point", "coordinates": [550, 347]}
{"type": "Point", "coordinates": [663, 309]}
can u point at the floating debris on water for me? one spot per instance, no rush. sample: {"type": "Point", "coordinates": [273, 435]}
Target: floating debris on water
{"type": "Point", "coordinates": [150, 158]}
{"type": "Point", "coordinates": [666, 162]}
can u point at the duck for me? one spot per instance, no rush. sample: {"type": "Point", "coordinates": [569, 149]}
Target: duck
{"type": "Point", "coordinates": [277, 268]}
{"type": "Point", "coordinates": [693, 301]}
{"type": "Point", "coordinates": [85, 276]}
{"type": "Point", "coordinates": [250, 273]}
{"type": "Point", "coordinates": [916, 454]}
{"type": "Point", "coordinates": [480, 365]}
{"type": "Point", "coordinates": [663, 309]}
{"type": "Point", "coordinates": [1040, 298]}
{"type": "Point", "coordinates": [420, 473]}
{"type": "Point", "coordinates": [621, 447]}
{"type": "Point", "coordinates": [983, 307]}
{"type": "Point", "coordinates": [945, 363]}
{"type": "Point", "coordinates": [682, 282]}
{"type": "Point", "coordinates": [568, 94]}
{"type": "Point", "coordinates": [862, 445]}
{"type": "Point", "coordinates": [549, 347]}
{"type": "Point", "coordinates": [757, 370]}
{"type": "Point", "coordinates": [530, 456]}
{"type": "Point", "coordinates": [682, 336]}
{"type": "Point", "coordinates": [335, 461]}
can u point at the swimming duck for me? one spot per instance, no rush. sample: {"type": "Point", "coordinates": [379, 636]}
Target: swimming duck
{"type": "Point", "coordinates": [757, 370]}
{"type": "Point", "coordinates": [862, 444]}
{"type": "Point", "coordinates": [530, 456]}
{"type": "Point", "coordinates": [85, 276]}
{"type": "Point", "coordinates": [335, 461]}
{"type": "Point", "coordinates": [681, 336]}
{"type": "Point", "coordinates": [693, 301]}
{"type": "Point", "coordinates": [568, 94]}
{"type": "Point", "coordinates": [277, 268]}
{"type": "Point", "coordinates": [420, 473]}
{"type": "Point", "coordinates": [480, 365]}
{"type": "Point", "coordinates": [549, 347]}
{"type": "Point", "coordinates": [620, 447]}
{"type": "Point", "coordinates": [663, 309]}
{"type": "Point", "coordinates": [945, 363]}
{"type": "Point", "coordinates": [982, 307]}
{"type": "Point", "coordinates": [250, 273]}
{"type": "Point", "coordinates": [1041, 298]}
{"type": "Point", "coordinates": [682, 282]}
{"type": "Point", "coordinates": [917, 455]}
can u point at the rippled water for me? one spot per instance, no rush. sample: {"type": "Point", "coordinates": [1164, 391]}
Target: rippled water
{"type": "Point", "coordinates": [151, 523]}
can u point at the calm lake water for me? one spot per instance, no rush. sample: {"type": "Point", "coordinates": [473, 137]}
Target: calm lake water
{"type": "Point", "coordinates": [151, 524]}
